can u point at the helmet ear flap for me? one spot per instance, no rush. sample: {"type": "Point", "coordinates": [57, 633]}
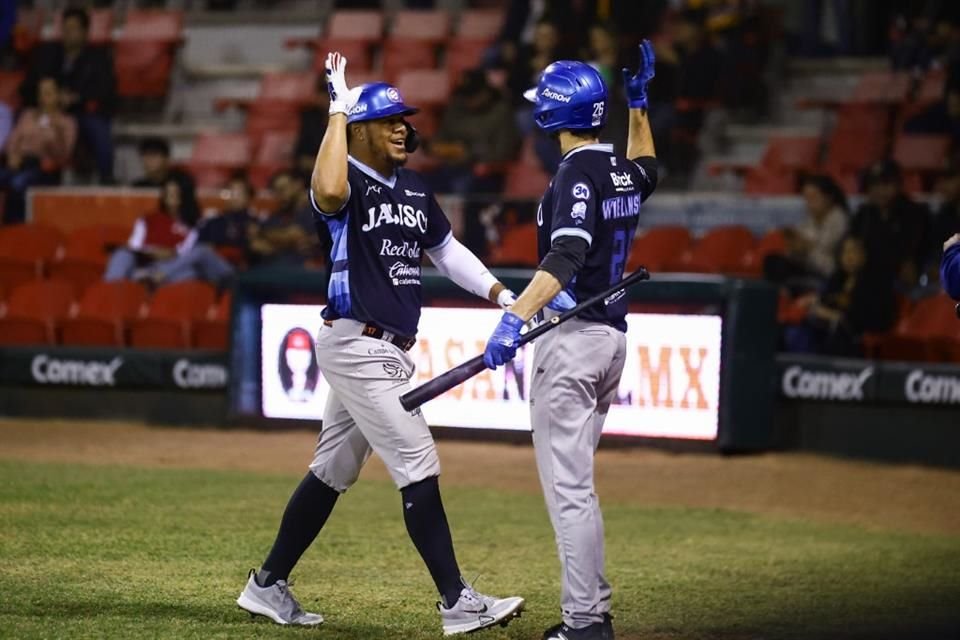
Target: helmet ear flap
{"type": "Point", "coordinates": [412, 142]}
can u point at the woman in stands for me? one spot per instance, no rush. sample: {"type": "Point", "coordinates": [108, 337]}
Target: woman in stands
{"type": "Point", "coordinates": [37, 150]}
{"type": "Point", "coordinates": [812, 246]}
{"type": "Point", "coordinates": [163, 247]}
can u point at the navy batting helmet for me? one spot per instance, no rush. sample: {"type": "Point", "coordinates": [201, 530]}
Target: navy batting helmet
{"type": "Point", "coordinates": [379, 100]}
{"type": "Point", "coordinates": [570, 95]}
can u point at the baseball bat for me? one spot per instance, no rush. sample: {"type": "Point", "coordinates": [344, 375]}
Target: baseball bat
{"type": "Point", "coordinates": [462, 372]}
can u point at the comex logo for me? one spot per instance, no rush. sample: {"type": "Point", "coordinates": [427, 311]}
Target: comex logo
{"type": "Point", "coordinates": [824, 385]}
{"type": "Point", "coordinates": [188, 375]}
{"type": "Point", "coordinates": [553, 95]}
{"type": "Point", "coordinates": [94, 373]}
{"type": "Point", "coordinates": [929, 389]}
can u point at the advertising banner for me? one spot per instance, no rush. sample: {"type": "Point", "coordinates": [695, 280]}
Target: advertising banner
{"type": "Point", "coordinates": [113, 368]}
{"type": "Point", "coordinates": [670, 384]}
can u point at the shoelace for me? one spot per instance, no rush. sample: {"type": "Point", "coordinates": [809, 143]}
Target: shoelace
{"type": "Point", "coordinates": [283, 587]}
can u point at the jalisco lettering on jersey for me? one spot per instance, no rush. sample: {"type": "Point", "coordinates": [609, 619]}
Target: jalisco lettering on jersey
{"type": "Point", "coordinates": [621, 207]}
{"type": "Point", "coordinates": [384, 214]}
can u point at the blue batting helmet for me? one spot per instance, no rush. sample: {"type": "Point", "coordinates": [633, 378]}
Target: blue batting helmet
{"type": "Point", "coordinates": [379, 100]}
{"type": "Point", "coordinates": [570, 95]}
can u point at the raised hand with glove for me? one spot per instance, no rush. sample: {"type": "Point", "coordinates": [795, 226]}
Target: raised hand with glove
{"type": "Point", "coordinates": [635, 84]}
{"type": "Point", "coordinates": [342, 98]}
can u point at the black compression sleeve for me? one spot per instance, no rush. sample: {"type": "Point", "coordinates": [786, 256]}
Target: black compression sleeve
{"type": "Point", "coordinates": [649, 166]}
{"type": "Point", "coordinates": [565, 258]}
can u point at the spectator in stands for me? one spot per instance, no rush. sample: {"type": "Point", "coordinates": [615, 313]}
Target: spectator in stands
{"type": "Point", "coordinates": [950, 268]}
{"type": "Point", "coordinates": [37, 150]}
{"type": "Point", "coordinates": [313, 124]}
{"type": "Point", "coordinates": [893, 227]}
{"type": "Point", "coordinates": [85, 74]}
{"type": "Point", "coordinates": [231, 230]}
{"type": "Point", "coordinates": [856, 299]}
{"type": "Point", "coordinates": [288, 237]}
{"type": "Point", "coordinates": [163, 248]}
{"type": "Point", "coordinates": [524, 62]}
{"type": "Point", "coordinates": [812, 246]}
{"type": "Point", "coordinates": [602, 52]}
{"type": "Point", "coordinates": [157, 169]}
{"type": "Point", "coordinates": [943, 117]}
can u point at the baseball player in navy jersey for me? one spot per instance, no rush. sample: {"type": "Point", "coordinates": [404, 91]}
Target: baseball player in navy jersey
{"type": "Point", "coordinates": [381, 219]}
{"type": "Point", "coordinates": [586, 222]}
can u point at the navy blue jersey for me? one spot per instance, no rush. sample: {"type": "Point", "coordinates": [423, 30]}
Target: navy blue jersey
{"type": "Point", "coordinates": [378, 237]}
{"type": "Point", "coordinates": [595, 196]}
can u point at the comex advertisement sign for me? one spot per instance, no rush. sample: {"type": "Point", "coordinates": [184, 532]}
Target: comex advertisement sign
{"type": "Point", "coordinates": [670, 386]}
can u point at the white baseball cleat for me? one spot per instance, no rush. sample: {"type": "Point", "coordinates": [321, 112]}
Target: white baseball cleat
{"type": "Point", "coordinates": [275, 602]}
{"type": "Point", "coordinates": [474, 611]}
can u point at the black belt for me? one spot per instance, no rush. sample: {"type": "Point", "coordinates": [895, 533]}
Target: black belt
{"type": "Point", "coordinates": [404, 343]}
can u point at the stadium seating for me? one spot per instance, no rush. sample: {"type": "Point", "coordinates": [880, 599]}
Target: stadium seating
{"type": "Point", "coordinates": [33, 311]}
{"type": "Point", "coordinates": [170, 315]}
{"type": "Point", "coordinates": [10, 88]}
{"type": "Point", "coordinates": [351, 32]}
{"type": "Point", "coordinates": [929, 332]}
{"type": "Point", "coordinates": [103, 313]}
{"type": "Point", "coordinates": [28, 29]}
{"type": "Point", "coordinates": [654, 247]}
{"type": "Point", "coordinates": [212, 332]}
{"type": "Point", "coordinates": [413, 41]}
{"type": "Point", "coordinates": [517, 247]}
{"type": "Point", "coordinates": [720, 250]}
{"type": "Point", "coordinates": [84, 254]}
{"type": "Point", "coordinates": [144, 52]}
{"type": "Point", "coordinates": [25, 250]}
{"type": "Point", "coordinates": [277, 106]}
{"type": "Point", "coordinates": [525, 181]}
{"type": "Point", "coordinates": [274, 153]}
{"type": "Point", "coordinates": [217, 155]}
{"type": "Point", "coordinates": [751, 264]}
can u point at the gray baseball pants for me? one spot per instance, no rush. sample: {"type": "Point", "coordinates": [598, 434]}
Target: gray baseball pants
{"type": "Point", "coordinates": [577, 369]}
{"type": "Point", "coordinates": [367, 376]}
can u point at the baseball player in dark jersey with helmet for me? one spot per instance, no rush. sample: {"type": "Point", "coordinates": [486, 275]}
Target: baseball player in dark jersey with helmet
{"type": "Point", "coordinates": [586, 222]}
{"type": "Point", "coordinates": [381, 219]}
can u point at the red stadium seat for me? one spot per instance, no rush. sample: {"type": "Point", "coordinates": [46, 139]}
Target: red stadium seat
{"type": "Point", "coordinates": [773, 242]}
{"type": "Point", "coordinates": [362, 25]}
{"type": "Point", "coordinates": [85, 254]}
{"type": "Point", "coordinates": [103, 312]}
{"type": "Point", "coordinates": [27, 31]}
{"type": "Point", "coordinates": [525, 182]}
{"type": "Point", "coordinates": [153, 25]}
{"type": "Point", "coordinates": [10, 88]}
{"type": "Point", "coordinates": [655, 246]}
{"type": "Point", "coordinates": [33, 311]}
{"type": "Point", "coordinates": [217, 155]}
{"type": "Point", "coordinates": [882, 87]}
{"type": "Point", "coordinates": [212, 332]}
{"type": "Point", "coordinates": [463, 55]}
{"type": "Point", "coordinates": [480, 25]}
{"type": "Point", "coordinates": [921, 152]}
{"type": "Point", "coordinates": [928, 333]}
{"type": "Point", "coordinates": [413, 41]}
{"type": "Point", "coordinates": [767, 181]}
{"type": "Point", "coordinates": [517, 248]}
{"type": "Point", "coordinates": [274, 153]}
{"type": "Point", "coordinates": [720, 250]}
{"type": "Point", "coordinates": [795, 153]}
{"type": "Point", "coordinates": [170, 315]}
{"type": "Point", "coordinates": [357, 53]}
{"type": "Point", "coordinates": [25, 250]}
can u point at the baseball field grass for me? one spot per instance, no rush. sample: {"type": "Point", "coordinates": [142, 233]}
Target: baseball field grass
{"type": "Point", "coordinates": [124, 551]}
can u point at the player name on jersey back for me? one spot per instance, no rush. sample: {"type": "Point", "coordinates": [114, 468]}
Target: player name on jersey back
{"type": "Point", "coordinates": [621, 206]}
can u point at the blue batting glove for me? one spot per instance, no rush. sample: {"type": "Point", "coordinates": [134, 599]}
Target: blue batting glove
{"type": "Point", "coordinates": [636, 84]}
{"type": "Point", "coordinates": [563, 301]}
{"type": "Point", "coordinates": [502, 345]}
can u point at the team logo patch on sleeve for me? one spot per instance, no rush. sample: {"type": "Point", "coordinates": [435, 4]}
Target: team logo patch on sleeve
{"type": "Point", "coordinates": [579, 212]}
{"type": "Point", "coordinates": [581, 191]}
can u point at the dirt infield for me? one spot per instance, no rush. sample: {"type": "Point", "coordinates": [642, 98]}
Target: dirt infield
{"type": "Point", "coordinates": [905, 498]}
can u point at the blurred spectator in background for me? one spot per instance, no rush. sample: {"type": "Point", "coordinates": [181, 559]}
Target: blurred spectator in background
{"type": "Point", "coordinates": [524, 62]}
{"type": "Point", "coordinates": [163, 248]}
{"type": "Point", "coordinates": [230, 231]}
{"type": "Point", "coordinates": [602, 52]}
{"type": "Point", "coordinates": [943, 117]}
{"type": "Point", "coordinates": [892, 227]}
{"type": "Point", "coordinates": [475, 139]}
{"type": "Point", "coordinates": [950, 268]}
{"type": "Point", "coordinates": [40, 145]}
{"type": "Point", "coordinates": [856, 299]}
{"type": "Point", "coordinates": [812, 246]}
{"type": "Point", "coordinates": [157, 169]}
{"type": "Point", "coordinates": [288, 236]}
{"type": "Point", "coordinates": [88, 86]}
{"type": "Point", "coordinates": [313, 124]}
